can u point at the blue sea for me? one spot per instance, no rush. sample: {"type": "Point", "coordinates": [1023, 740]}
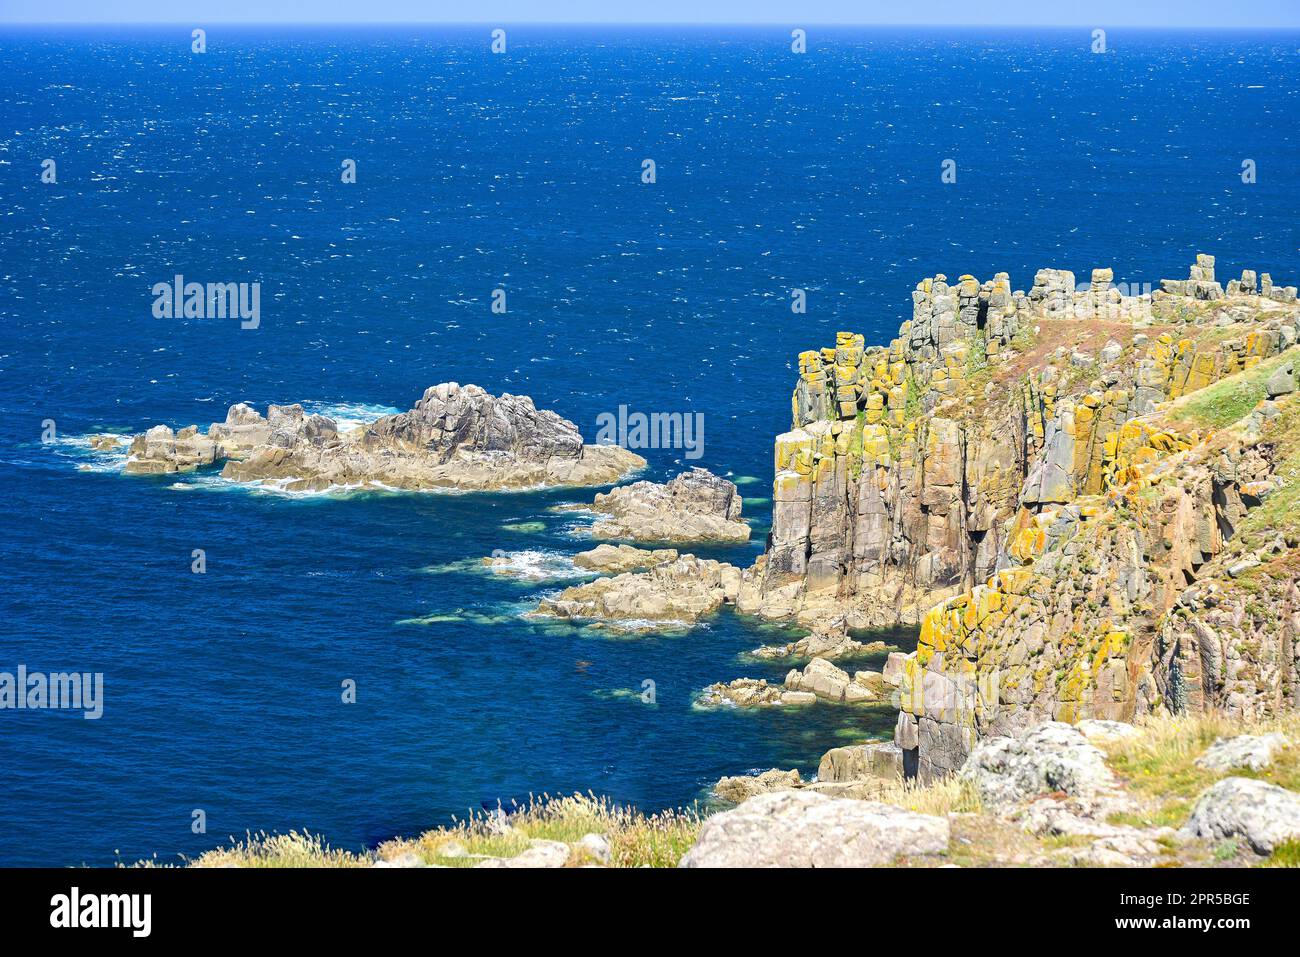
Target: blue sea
{"type": "Point", "coordinates": [475, 171]}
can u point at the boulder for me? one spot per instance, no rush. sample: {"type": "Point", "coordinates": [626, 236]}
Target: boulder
{"type": "Point", "coordinates": [540, 853]}
{"type": "Point", "coordinates": [877, 759]}
{"type": "Point", "coordinates": [805, 829]}
{"type": "Point", "coordinates": [1262, 814]}
{"type": "Point", "coordinates": [1282, 381]}
{"type": "Point", "coordinates": [743, 787]}
{"type": "Point", "coordinates": [1051, 757]}
{"type": "Point", "coordinates": [1253, 751]}
{"type": "Point", "coordinates": [616, 559]}
{"type": "Point", "coordinates": [1098, 731]}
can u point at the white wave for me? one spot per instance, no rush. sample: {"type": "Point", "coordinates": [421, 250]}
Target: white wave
{"type": "Point", "coordinates": [349, 415]}
{"type": "Point", "coordinates": [89, 458]}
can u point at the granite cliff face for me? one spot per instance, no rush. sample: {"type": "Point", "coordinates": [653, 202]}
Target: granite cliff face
{"type": "Point", "coordinates": [1077, 494]}
{"type": "Point", "coordinates": [454, 437]}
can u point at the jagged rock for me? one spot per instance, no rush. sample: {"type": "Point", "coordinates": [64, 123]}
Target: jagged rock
{"type": "Point", "coordinates": [162, 451]}
{"type": "Point", "coordinates": [454, 437]}
{"type": "Point", "coordinates": [104, 443]}
{"type": "Point", "coordinates": [616, 559]}
{"type": "Point", "coordinates": [1008, 772]}
{"type": "Point", "coordinates": [743, 787]}
{"type": "Point", "coordinates": [1263, 814]}
{"type": "Point", "coordinates": [824, 680]}
{"type": "Point", "coordinates": [946, 480]}
{"type": "Point", "coordinates": [1253, 751]}
{"type": "Point", "coordinates": [682, 590]}
{"type": "Point", "coordinates": [805, 829]}
{"type": "Point", "coordinates": [696, 506]}
{"type": "Point", "coordinates": [752, 693]}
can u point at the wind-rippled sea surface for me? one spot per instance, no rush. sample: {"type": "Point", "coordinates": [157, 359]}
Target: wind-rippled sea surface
{"type": "Point", "coordinates": [521, 172]}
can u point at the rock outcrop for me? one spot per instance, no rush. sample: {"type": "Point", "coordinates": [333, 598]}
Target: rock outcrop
{"type": "Point", "coordinates": [455, 437]}
{"type": "Point", "coordinates": [740, 788]}
{"type": "Point", "coordinates": [823, 679]}
{"type": "Point", "coordinates": [683, 590]}
{"type": "Point", "coordinates": [1057, 487]}
{"type": "Point", "coordinates": [696, 506]}
{"type": "Point", "coordinates": [751, 693]}
{"type": "Point", "coordinates": [828, 640]}
{"type": "Point", "coordinates": [616, 559]}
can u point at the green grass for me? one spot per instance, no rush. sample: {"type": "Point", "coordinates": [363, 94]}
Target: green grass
{"type": "Point", "coordinates": [1231, 399]}
{"type": "Point", "coordinates": [1286, 854]}
{"type": "Point", "coordinates": [1159, 767]}
{"type": "Point", "coordinates": [635, 839]}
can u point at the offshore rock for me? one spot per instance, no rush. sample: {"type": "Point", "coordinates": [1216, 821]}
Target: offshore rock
{"type": "Point", "coordinates": [455, 437]}
{"type": "Point", "coordinates": [751, 693]}
{"type": "Point", "coordinates": [696, 506]}
{"type": "Point", "coordinates": [683, 590]}
{"type": "Point", "coordinates": [616, 559]}
{"type": "Point", "coordinates": [823, 679]}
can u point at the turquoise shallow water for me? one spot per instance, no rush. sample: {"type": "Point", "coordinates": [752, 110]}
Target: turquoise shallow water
{"type": "Point", "coordinates": [822, 172]}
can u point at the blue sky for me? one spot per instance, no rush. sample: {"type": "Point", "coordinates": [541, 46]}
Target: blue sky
{"type": "Point", "coordinates": [1094, 13]}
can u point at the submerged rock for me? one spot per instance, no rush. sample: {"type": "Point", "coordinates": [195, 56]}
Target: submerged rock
{"type": "Point", "coordinates": [806, 829]}
{"type": "Point", "coordinates": [696, 506]}
{"type": "Point", "coordinates": [456, 436]}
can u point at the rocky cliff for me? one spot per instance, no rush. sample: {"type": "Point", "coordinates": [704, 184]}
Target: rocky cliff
{"type": "Point", "coordinates": [1079, 495]}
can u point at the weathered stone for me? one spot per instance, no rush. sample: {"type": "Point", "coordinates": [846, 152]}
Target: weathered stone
{"type": "Point", "coordinates": [1050, 757]}
{"type": "Point", "coordinates": [1253, 751]}
{"type": "Point", "coordinates": [454, 437]}
{"type": "Point", "coordinates": [695, 506]}
{"type": "Point", "coordinates": [804, 829]}
{"type": "Point", "coordinates": [1262, 814]}
{"type": "Point", "coordinates": [616, 559]}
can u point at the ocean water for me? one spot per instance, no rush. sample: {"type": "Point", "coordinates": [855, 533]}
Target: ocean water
{"type": "Point", "coordinates": [522, 172]}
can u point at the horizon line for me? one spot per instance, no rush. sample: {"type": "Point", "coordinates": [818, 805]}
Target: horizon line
{"type": "Point", "coordinates": [652, 23]}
